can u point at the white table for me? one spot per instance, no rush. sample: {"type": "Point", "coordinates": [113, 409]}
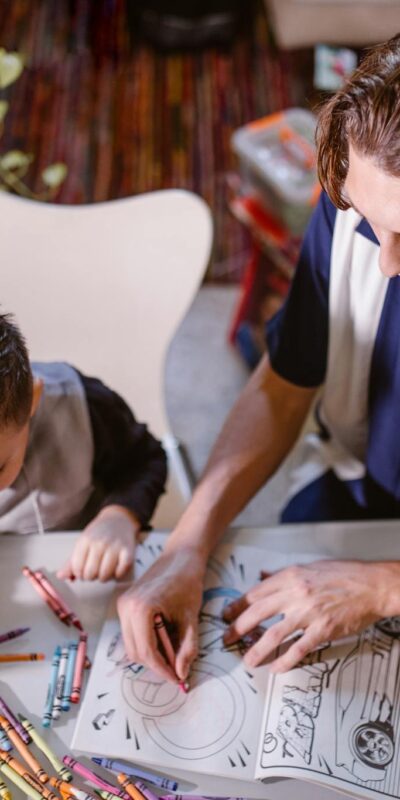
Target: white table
{"type": "Point", "coordinates": [24, 685]}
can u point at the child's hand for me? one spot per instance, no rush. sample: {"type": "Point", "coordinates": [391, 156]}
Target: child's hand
{"type": "Point", "coordinates": [106, 547]}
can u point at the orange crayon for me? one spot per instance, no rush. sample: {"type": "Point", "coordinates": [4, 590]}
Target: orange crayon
{"type": "Point", "coordinates": [6, 658]}
{"type": "Point", "coordinates": [21, 770]}
{"type": "Point", "coordinates": [129, 787]}
{"type": "Point", "coordinates": [24, 751]}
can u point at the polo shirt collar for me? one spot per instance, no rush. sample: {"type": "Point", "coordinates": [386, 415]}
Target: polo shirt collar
{"type": "Point", "coordinates": [365, 229]}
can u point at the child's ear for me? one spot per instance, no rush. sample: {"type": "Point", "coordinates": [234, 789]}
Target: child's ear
{"type": "Point", "coordinates": [37, 393]}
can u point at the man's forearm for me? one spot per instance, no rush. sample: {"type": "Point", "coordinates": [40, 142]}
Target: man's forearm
{"type": "Point", "coordinates": [258, 433]}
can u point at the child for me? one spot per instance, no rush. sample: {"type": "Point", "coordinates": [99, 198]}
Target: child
{"type": "Point", "coordinates": [73, 456]}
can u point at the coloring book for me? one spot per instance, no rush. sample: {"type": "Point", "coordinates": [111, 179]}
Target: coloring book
{"type": "Point", "coordinates": [333, 720]}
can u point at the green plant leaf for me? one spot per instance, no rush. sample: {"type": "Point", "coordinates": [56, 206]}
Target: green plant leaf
{"type": "Point", "coordinates": [3, 109]}
{"type": "Point", "coordinates": [15, 160]}
{"type": "Point", "coordinates": [54, 174]}
{"type": "Point", "coordinates": [11, 66]}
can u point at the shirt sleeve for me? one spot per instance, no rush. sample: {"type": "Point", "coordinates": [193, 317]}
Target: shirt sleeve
{"type": "Point", "coordinates": [297, 336]}
{"type": "Point", "coordinates": [130, 465]}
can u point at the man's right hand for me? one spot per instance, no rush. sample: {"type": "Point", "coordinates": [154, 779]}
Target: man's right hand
{"type": "Point", "coordinates": [173, 587]}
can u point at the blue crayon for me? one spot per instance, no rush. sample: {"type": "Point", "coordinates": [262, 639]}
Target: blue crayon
{"type": "Point", "coordinates": [51, 689]}
{"type": "Point", "coordinates": [5, 743]}
{"type": "Point", "coordinates": [135, 772]}
{"type": "Point", "coordinates": [69, 676]}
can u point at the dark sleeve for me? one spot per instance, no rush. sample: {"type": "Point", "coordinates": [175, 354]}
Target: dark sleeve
{"type": "Point", "coordinates": [297, 336]}
{"type": "Point", "coordinates": [130, 465]}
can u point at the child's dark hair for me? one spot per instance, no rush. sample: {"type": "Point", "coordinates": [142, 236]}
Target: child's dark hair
{"type": "Point", "coordinates": [16, 381]}
{"type": "Point", "coordinates": [365, 113]}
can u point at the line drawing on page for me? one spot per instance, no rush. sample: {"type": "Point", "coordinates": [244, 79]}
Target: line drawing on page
{"type": "Point", "coordinates": [354, 692]}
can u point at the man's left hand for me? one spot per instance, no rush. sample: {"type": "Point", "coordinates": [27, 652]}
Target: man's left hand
{"type": "Point", "coordinates": [324, 600]}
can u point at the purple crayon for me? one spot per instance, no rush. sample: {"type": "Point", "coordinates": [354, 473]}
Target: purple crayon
{"type": "Point", "coordinates": [7, 713]}
{"type": "Point", "coordinates": [5, 637]}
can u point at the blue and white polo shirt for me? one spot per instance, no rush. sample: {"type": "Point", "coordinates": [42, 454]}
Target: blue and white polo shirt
{"type": "Point", "coordinates": [340, 329]}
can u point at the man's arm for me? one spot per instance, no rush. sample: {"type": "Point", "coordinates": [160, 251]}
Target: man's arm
{"type": "Point", "coordinates": [259, 432]}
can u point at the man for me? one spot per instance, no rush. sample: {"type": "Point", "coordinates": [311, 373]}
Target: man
{"type": "Point", "coordinates": [337, 336]}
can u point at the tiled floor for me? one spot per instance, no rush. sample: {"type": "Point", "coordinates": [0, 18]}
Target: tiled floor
{"type": "Point", "coordinates": [204, 375]}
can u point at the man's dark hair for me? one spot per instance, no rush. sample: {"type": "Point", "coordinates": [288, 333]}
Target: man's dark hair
{"type": "Point", "coordinates": [16, 381]}
{"type": "Point", "coordinates": [366, 113]}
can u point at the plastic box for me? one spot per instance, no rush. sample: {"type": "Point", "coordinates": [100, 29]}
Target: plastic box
{"type": "Point", "coordinates": [277, 157]}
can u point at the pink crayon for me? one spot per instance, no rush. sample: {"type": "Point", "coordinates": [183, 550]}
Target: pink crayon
{"type": "Point", "coordinates": [92, 777]}
{"type": "Point", "coordinates": [79, 667]}
{"type": "Point", "coordinates": [70, 616]}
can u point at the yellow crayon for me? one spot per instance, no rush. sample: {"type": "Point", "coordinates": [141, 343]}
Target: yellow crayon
{"type": "Point", "coordinates": [5, 793]}
{"type": "Point", "coordinates": [129, 787]}
{"type": "Point", "coordinates": [20, 782]}
{"type": "Point", "coordinates": [59, 767]}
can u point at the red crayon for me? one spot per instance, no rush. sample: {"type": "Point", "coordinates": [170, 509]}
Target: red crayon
{"type": "Point", "coordinates": [55, 607]}
{"type": "Point", "coordinates": [70, 618]}
{"type": "Point", "coordinates": [161, 632]}
{"type": "Point", "coordinates": [79, 667]}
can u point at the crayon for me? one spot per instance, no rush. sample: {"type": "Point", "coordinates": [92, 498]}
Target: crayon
{"type": "Point", "coordinates": [55, 762]}
{"type": "Point", "coordinates": [70, 618]}
{"type": "Point", "coordinates": [90, 776]}
{"type": "Point", "coordinates": [24, 751]}
{"type": "Point", "coordinates": [7, 713]}
{"type": "Point", "coordinates": [22, 771]}
{"type": "Point", "coordinates": [62, 668]}
{"type": "Point", "coordinates": [5, 793]}
{"type": "Point", "coordinates": [51, 689]}
{"type": "Point", "coordinates": [52, 604]}
{"type": "Point", "coordinates": [68, 788]}
{"type": "Point", "coordinates": [145, 791]}
{"type": "Point", "coordinates": [110, 796]}
{"type": "Point", "coordinates": [6, 658]}
{"type": "Point", "coordinates": [161, 632]}
{"type": "Point", "coordinates": [5, 637]}
{"type": "Point", "coordinates": [79, 667]}
{"type": "Point", "coordinates": [136, 772]}
{"type": "Point", "coordinates": [5, 743]}
{"type": "Point", "coordinates": [20, 782]}
{"type": "Point", "coordinates": [129, 787]}
{"type": "Point", "coordinates": [69, 675]}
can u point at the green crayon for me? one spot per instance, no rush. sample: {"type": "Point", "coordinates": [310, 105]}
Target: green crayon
{"type": "Point", "coordinates": [59, 767]}
{"type": "Point", "coordinates": [20, 782]}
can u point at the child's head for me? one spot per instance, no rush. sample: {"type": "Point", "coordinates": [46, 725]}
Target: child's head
{"type": "Point", "coordinates": [364, 115]}
{"type": "Point", "coordinates": [19, 397]}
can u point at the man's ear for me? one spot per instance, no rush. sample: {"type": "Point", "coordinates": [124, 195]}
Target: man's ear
{"type": "Point", "coordinates": [37, 393]}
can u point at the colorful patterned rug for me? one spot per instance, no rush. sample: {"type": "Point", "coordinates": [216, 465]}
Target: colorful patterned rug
{"type": "Point", "coordinates": [127, 118]}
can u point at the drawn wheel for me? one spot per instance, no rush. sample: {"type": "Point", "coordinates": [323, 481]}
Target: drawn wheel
{"type": "Point", "coordinates": [373, 745]}
{"type": "Point", "coordinates": [390, 626]}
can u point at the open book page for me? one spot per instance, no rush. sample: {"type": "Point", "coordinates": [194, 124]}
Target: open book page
{"type": "Point", "coordinates": [335, 719]}
{"type": "Point", "coordinates": [134, 715]}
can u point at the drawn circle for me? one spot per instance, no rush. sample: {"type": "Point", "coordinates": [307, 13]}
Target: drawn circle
{"type": "Point", "coordinates": [208, 720]}
{"type": "Point", "coordinates": [373, 745]}
{"type": "Point", "coordinates": [150, 695]}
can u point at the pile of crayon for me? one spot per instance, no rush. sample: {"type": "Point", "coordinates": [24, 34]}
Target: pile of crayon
{"type": "Point", "coordinates": [65, 685]}
{"type": "Point", "coordinates": [69, 659]}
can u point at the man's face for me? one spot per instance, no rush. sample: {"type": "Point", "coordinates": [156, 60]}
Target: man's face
{"type": "Point", "coordinates": [376, 196]}
{"type": "Point", "coordinates": [13, 444]}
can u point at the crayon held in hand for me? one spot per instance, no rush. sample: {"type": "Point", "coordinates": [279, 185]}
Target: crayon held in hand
{"type": "Point", "coordinates": [162, 633]}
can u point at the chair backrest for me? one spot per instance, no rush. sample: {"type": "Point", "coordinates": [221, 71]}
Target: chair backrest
{"type": "Point", "coordinates": [105, 286]}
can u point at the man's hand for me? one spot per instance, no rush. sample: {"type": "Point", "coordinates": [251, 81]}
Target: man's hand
{"type": "Point", "coordinates": [325, 600]}
{"type": "Point", "coordinates": [173, 587]}
{"type": "Point", "coordinates": [106, 547]}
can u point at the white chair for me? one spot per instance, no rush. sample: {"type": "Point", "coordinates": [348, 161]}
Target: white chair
{"type": "Point", "coordinates": [104, 287]}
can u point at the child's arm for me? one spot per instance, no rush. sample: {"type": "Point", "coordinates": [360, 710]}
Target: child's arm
{"type": "Point", "coordinates": [129, 474]}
